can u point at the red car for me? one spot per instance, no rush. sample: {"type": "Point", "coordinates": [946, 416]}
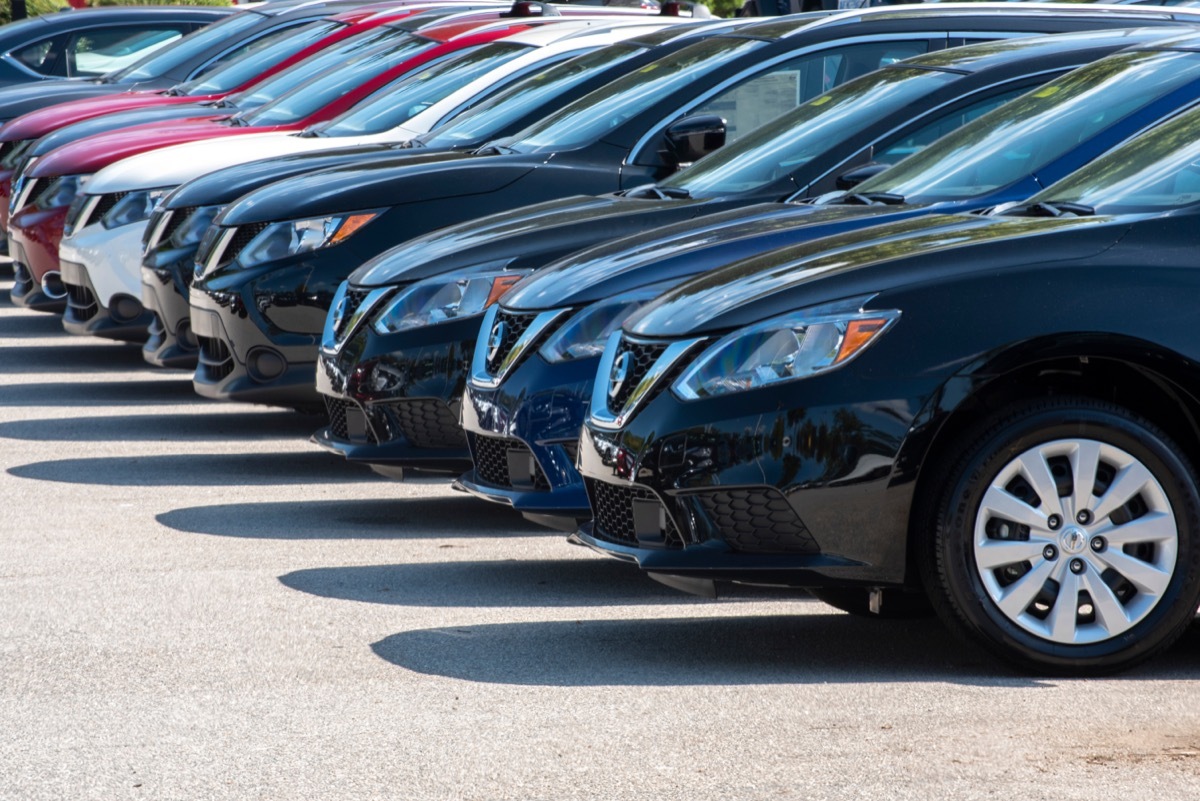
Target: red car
{"type": "Point", "coordinates": [260, 60]}
{"type": "Point", "coordinates": [47, 186]}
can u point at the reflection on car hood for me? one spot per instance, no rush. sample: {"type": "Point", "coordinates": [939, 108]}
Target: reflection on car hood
{"type": "Point", "coordinates": [684, 249]}
{"type": "Point", "coordinates": [119, 120]}
{"type": "Point", "coordinates": [403, 179]}
{"type": "Point", "coordinates": [864, 262]}
{"type": "Point", "coordinates": [530, 236]}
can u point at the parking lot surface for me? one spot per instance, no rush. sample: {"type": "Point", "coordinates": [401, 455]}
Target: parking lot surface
{"type": "Point", "coordinates": [196, 603]}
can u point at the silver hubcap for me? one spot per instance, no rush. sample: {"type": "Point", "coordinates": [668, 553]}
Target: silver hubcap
{"type": "Point", "coordinates": [1075, 541]}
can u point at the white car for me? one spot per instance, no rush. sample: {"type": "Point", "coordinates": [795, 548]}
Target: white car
{"type": "Point", "coordinates": [101, 262]}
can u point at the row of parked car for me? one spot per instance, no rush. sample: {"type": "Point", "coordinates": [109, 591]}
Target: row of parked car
{"type": "Point", "coordinates": [888, 304]}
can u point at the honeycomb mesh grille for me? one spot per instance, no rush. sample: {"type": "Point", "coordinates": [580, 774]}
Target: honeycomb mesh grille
{"type": "Point", "coordinates": [336, 407]}
{"type": "Point", "coordinates": [103, 207]}
{"type": "Point", "coordinates": [757, 520]}
{"type": "Point", "coordinates": [612, 507]}
{"type": "Point", "coordinates": [178, 218]}
{"type": "Point", "coordinates": [242, 237]}
{"type": "Point", "coordinates": [514, 326]}
{"type": "Point", "coordinates": [354, 299]}
{"type": "Point", "coordinates": [491, 457]}
{"type": "Point", "coordinates": [427, 423]}
{"type": "Point", "coordinates": [641, 357]}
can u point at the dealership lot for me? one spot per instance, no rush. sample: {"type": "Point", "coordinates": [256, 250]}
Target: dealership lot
{"type": "Point", "coordinates": [197, 603]}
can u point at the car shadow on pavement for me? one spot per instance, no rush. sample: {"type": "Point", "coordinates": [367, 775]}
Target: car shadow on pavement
{"type": "Point", "coordinates": [258, 425]}
{"type": "Point", "coordinates": [31, 326]}
{"type": "Point", "coordinates": [379, 519]}
{"type": "Point", "coordinates": [71, 357]}
{"type": "Point", "coordinates": [199, 470]}
{"type": "Point", "coordinates": [508, 583]}
{"type": "Point", "coordinates": [99, 393]}
{"type": "Point", "coordinates": [830, 648]}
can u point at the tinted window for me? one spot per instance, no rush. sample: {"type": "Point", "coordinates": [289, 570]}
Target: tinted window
{"type": "Point", "coordinates": [942, 125]}
{"type": "Point", "coordinates": [254, 57]}
{"type": "Point", "coordinates": [109, 49]}
{"type": "Point", "coordinates": [1022, 136]}
{"type": "Point", "coordinates": [42, 56]}
{"type": "Point", "coordinates": [191, 46]}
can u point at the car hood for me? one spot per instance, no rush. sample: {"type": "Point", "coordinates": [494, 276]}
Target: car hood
{"type": "Point", "coordinates": [679, 251]}
{"type": "Point", "coordinates": [27, 97]}
{"type": "Point", "coordinates": [93, 153]}
{"type": "Point", "coordinates": [925, 248]}
{"type": "Point", "coordinates": [173, 165]}
{"type": "Point", "coordinates": [45, 120]}
{"type": "Point", "coordinates": [525, 235]}
{"type": "Point", "coordinates": [226, 185]}
{"type": "Point", "coordinates": [107, 123]}
{"type": "Point", "coordinates": [381, 183]}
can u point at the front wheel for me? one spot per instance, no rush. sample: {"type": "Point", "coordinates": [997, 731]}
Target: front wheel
{"type": "Point", "coordinates": [1067, 539]}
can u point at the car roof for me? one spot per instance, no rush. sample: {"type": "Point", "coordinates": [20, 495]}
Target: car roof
{"type": "Point", "coordinates": [990, 55]}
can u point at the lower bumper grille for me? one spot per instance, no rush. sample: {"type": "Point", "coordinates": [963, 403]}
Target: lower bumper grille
{"type": "Point", "coordinates": [347, 422]}
{"type": "Point", "coordinates": [425, 423]}
{"type": "Point", "coordinates": [81, 303]}
{"type": "Point", "coordinates": [216, 362]}
{"type": "Point", "coordinates": [22, 279]}
{"type": "Point", "coordinates": [756, 520]}
{"type": "Point", "coordinates": [508, 463]}
{"type": "Point", "coordinates": [631, 515]}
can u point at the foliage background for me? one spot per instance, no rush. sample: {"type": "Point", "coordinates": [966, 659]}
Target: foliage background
{"type": "Point", "coordinates": [36, 7]}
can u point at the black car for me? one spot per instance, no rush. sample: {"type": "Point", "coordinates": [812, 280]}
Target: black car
{"type": "Point", "coordinates": [173, 233]}
{"type": "Point", "coordinates": [90, 42]}
{"type": "Point", "coordinates": [995, 410]}
{"type": "Point", "coordinates": [267, 272]}
{"type": "Point", "coordinates": [179, 61]}
{"type": "Point", "coordinates": [524, 404]}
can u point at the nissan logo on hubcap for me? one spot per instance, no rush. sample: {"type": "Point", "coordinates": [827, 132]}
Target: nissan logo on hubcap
{"type": "Point", "coordinates": [496, 339]}
{"type": "Point", "coordinates": [620, 372]}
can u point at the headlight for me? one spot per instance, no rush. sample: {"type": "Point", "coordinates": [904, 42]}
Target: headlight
{"type": "Point", "coordinates": [134, 207]}
{"type": "Point", "coordinates": [585, 333]}
{"type": "Point", "coordinates": [192, 229]}
{"type": "Point", "coordinates": [280, 240]}
{"type": "Point", "coordinates": [445, 298]}
{"type": "Point", "coordinates": [787, 348]}
{"type": "Point", "coordinates": [62, 191]}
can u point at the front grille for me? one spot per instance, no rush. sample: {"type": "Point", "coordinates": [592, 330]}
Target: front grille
{"type": "Point", "coordinates": [425, 423]}
{"type": "Point", "coordinates": [241, 237]}
{"type": "Point", "coordinates": [336, 407]}
{"type": "Point", "coordinates": [103, 207]}
{"type": "Point", "coordinates": [81, 303]}
{"type": "Point", "coordinates": [25, 193]}
{"type": "Point", "coordinates": [631, 515]}
{"type": "Point", "coordinates": [639, 358]}
{"type": "Point", "coordinates": [347, 422]}
{"type": "Point", "coordinates": [756, 520]}
{"type": "Point", "coordinates": [216, 362]}
{"type": "Point", "coordinates": [178, 218]}
{"type": "Point", "coordinates": [512, 325]}
{"type": "Point", "coordinates": [354, 299]}
{"type": "Point", "coordinates": [496, 457]}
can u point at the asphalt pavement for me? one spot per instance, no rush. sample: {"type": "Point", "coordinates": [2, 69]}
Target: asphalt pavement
{"type": "Point", "coordinates": [197, 603]}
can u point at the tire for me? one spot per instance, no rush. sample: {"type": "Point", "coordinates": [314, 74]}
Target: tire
{"type": "Point", "coordinates": [997, 562]}
{"type": "Point", "coordinates": [896, 604]}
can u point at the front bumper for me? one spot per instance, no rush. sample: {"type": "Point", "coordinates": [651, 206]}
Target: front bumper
{"type": "Point", "coordinates": [37, 233]}
{"type": "Point", "coordinates": [395, 400]}
{"type": "Point", "coordinates": [100, 274]}
{"type": "Point", "coordinates": [239, 361]}
{"type": "Point", "coordinates": [524, 434]}
{"type": "Point", "coordinates": [47, 294]}
{"type": "Point", "coordinates": [166, 284]}
{"type": "Point", "coordinates": [794, 486]}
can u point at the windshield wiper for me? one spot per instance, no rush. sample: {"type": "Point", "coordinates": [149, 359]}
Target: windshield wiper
{"type": "Point", "coordinates": [1044, 209]}
{"type": "Point", "coordinates": [871, 199]}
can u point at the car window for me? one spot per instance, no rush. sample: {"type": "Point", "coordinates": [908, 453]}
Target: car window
{"type": "Point", "coordinates": [43, 55]}
{"type": "Point", "coordinates": [762, 98]}
{"type": "Point", "coordinates": [943, 124]}
{"type": "Point", "coordinates": [249, 59]}
{"type": "Point", "coordinates": [96, 52]}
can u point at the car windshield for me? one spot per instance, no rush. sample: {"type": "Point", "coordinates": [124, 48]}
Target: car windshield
{"type": "Point", "coordinates": [257, 57]}
{"type": "Point", "coordinates": [596, 114]}
{"type": "Point", "coordinates": [313, 95]}
{"type": "Point", "coordinates": [1019, 138]}
{"type": "Point", "coordinates": [330, 58]}
{"type": "Point", "coordinates": [194, 44]}
{"type": "Point", "coordinates": [1156, 171]}
{"type": "Point", "coordinates": [789, 142]}
{"type": "Point", "coordinates": [493, 116]}
{"type": "Point", "coordinates": [411, 94]}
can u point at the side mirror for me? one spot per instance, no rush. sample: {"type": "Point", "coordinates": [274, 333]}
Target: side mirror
{"type": "Point", "coordinates": [856, 175]}
{"type": "Point", "coordinates": [694, 137]}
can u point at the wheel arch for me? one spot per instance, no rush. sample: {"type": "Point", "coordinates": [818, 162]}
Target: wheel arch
{"type": "Point", "coordinates": [1144, 377]}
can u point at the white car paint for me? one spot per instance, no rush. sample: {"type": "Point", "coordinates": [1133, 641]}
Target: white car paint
{"type": "Point", "coordinates": [104, 253]}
